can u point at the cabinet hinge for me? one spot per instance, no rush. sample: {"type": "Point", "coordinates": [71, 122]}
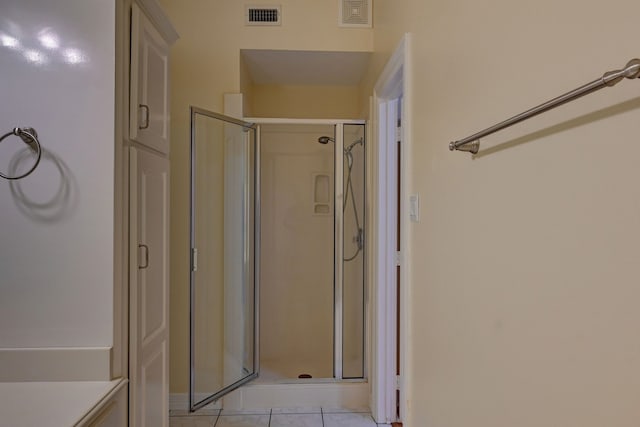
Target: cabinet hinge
{"type": "Point", "coordinates": [194, 259]}
{"type": "Point", "coordinates": [399, 134]}
{"type": "Point", "coordinates": [398, 258]}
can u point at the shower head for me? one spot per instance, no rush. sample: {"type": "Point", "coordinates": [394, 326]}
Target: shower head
{"type": "Point", "coordinates": [325, 139]}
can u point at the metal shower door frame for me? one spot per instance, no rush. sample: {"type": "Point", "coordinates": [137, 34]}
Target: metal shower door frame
{"type": "Point", "coordinates": [194, 406]}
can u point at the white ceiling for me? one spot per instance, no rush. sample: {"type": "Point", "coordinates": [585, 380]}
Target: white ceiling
{"type": "Point", "coordinates": [295, 67]}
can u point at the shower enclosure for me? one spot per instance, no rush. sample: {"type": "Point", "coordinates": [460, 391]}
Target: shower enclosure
{"type": "Point", "coordinates": [277, 253]}
{"type": "Point", "coordinates": [312, 245]}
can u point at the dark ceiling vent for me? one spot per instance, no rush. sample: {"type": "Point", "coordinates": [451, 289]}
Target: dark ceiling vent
{"type": "Point", "coordinates": [263, 15]}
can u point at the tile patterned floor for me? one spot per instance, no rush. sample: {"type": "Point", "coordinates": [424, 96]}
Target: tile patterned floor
{"type": "Point", "coordinates": [277, 417]}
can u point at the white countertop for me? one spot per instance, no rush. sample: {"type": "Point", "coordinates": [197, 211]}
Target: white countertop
{"type": "Point", "coordinates": [51, 404]}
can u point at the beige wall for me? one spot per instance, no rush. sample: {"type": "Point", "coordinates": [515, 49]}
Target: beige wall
{"type": "Point", "coordinates": [534, 325]}
{"type": "Point", "coordinates": [205, 65]}
{"type": "Point", "coordinates": [295, 102]}
{"type": "Point", "coordinates": [523, 280]}
{"type": "Point", "coordinates": [246, 88]}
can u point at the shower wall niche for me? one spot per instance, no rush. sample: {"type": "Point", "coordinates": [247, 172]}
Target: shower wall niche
{"type": "Point", "coordinates": [303, 311]}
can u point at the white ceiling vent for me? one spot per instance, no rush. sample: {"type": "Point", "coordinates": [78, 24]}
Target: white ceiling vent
{"type": "Point", "coordinates": [355, 13]}
{"type": "Point", "coordinates": [262, 15]}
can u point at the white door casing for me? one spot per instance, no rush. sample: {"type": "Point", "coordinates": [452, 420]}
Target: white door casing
{"type": "Point", "coordinates": [391, 89]}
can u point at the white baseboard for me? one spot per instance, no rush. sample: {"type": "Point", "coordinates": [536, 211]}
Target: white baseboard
{"type": "Point", "coordinates": [334, 395]}
{"type": "Point", "coordinates": [55, 364]}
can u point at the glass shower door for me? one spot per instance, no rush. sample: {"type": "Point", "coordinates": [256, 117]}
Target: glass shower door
{"type": "Point", "coordinates": [223, 277]}
{"type": "Point", "coordinates": [353, 252]}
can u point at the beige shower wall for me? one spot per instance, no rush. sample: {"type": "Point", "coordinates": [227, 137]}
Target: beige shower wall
{"type": "Point", "coordinates": [296, 280]}
{"type": "Point", "coordinates": [523, 282]}
{"type": "Point", "coordinates": [205, 64]}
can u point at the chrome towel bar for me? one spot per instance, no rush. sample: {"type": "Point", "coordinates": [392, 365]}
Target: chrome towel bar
{"type": "Point", "coordinates": [610, 78]}
{"type": "Point", "coordinates": [30, 137]}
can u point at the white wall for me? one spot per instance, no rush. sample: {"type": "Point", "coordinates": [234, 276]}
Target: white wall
{"type": "Point", "coordinates": [56, 226]}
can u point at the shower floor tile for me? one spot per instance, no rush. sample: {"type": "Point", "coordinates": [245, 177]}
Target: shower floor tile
{"type": "Point", "coordinates": [296, 420]}
{"type": "Point", "coordinates": [302, 410]}
{"type": "Point", "coordinates": [243, 421]}
{"type": "Point", "coordinates": [348, 420]}
{"type": "Point", "coordinates": [277, 370]}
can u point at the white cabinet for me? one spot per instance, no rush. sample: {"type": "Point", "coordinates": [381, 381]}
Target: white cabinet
{"type": "Point", "coordinates": [149, 289]}
{"type": "Point", "coordinates": [111, 412]}
{"type": "Point", "coordinates": [64, 403]}
{"type": "Point", "coordinates": [148, 145]}
{"type": "Point", "coordinates": [149, 86]}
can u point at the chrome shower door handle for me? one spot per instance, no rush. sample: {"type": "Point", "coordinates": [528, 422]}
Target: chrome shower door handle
{"type": "Point", "coordinates": [145, 110]}
{"type": "Point", "coordinates": [146, 256]}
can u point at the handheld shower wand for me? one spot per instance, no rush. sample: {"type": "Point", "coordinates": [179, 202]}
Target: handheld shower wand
{"type": "Point", "coordinates": [359, 238]}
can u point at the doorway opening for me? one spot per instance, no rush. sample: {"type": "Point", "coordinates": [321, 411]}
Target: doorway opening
{"type": "Point", "coordinates": [278, 249]}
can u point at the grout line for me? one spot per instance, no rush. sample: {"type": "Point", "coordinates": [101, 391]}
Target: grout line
{"type": "Point", "coordinates": [270, 412]}
{"type": "Point", "coordinates": [217, 418]}
{"type": "Point", "coordinates": [322, 415]}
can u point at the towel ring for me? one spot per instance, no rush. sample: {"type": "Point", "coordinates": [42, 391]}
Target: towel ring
{"type": "Point", "coordinates": [30, 137]}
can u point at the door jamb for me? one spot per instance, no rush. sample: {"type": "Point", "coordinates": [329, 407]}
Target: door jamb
{"type": "Point", "coordinates": [392, 86]}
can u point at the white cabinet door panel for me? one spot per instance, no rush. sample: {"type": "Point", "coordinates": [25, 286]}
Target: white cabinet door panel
{"type": "Point", "coordinates": [149, 289]}
{"type": "Point", "coordinates": [149, 97]}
